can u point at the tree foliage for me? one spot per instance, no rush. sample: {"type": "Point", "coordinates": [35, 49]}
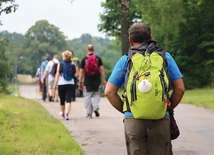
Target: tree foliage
{"type": "Point", "coordinates": [13, 51]}
{"type": "Point", "coordinates": [116, 19]}
{"type": "Point", "coordinates": [4, 69]}
{"type": "Point", "coordinates": [40, 40]}
{"type": "Point", "coordinates": [183, 27]}
{"type": "Point", "coordinates": [195, 43]}
{"type": "Point", "coordinates": [7, 6]}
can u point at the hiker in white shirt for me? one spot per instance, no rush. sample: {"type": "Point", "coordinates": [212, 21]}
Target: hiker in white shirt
{"type": "Point", "coordinates": [50, 72]}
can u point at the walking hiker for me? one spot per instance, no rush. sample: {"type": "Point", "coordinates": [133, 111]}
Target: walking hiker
{"type": "Point", "coordinates": [77, 63]}
{"type": "Point", "coordinates": [145, 99]}
{"type": "Point", "coordinates": [51, 69]}
{"type": "Point", "coordinates": [43, 81]}
{"type": "Point", "coordinates": [38, 76]}
{"type": "Point", "coordinates": [66, 72]}
{"type": "Point", "coordinates": [91, 69]}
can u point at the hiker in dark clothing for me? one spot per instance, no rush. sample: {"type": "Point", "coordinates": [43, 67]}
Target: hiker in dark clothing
{"type": "Point", "coordinates": [91, 71]}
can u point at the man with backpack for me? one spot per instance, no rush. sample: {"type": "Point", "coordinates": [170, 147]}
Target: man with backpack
{"type": "Point", "coordinates": [51, 69]}
{"type": "Point", "coordinates": [38, 76]}
{"type": "Point", "coordinates": [77, 63]}
{"type": "Point", "coordinates": [91, 71]}
{"type": "Point", "coordinates": [146, 73]}
{"type": "Point", "coordinates": [43, 80]}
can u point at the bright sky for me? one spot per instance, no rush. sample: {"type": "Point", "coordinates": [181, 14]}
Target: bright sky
{"type": "Point", "coordinates": [73, 19]}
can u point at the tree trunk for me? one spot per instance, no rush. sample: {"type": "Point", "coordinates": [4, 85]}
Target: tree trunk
{"type": "Point", "coordinates": [124, 20]}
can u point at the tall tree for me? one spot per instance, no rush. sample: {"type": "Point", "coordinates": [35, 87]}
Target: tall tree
{"type": "Point", "coordinates": [116, 19]}
{"type": "Point", "coordinates": [125, 23]}
{"type": "Point", "coordinates": [40, 40]}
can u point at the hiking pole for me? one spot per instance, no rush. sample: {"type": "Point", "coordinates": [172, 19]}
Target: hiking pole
{"type": "Point", "coordinates": [36, 88]}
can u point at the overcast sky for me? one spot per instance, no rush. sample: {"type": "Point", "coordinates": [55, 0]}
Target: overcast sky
{"type": "Point", "coordinates": [73, 19]}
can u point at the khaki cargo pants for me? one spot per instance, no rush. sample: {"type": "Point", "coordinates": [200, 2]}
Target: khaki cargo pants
{"type": "Point", "coordinates": [140, 140]}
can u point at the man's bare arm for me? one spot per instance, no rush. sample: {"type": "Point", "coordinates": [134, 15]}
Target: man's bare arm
{"type": "Point", "coordinates": [113, 97]}
{"type": "Point", "coordinates": [57, 76]}
{"type": "Point", "coordinates": [178, 92]}
{"type": "Point", "coordinates": [42, 73]}
{"type": "Point", "coordinates": [81, 74]}
{"type": "Point", "coordinates": [102, 71]}
{"type": "Point", "coordinates": [77, 72]}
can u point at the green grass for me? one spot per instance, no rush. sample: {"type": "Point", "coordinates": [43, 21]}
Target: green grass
{"type": "Point", "coordinates": [200, 97]}
{"type": "Point", "coordinates": [27, 128]}
{"type": "Point", "coordinates": [13, 89]}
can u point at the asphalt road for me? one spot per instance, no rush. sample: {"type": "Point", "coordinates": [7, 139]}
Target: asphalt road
{"type": "Point", "coordinates": [104, 135]}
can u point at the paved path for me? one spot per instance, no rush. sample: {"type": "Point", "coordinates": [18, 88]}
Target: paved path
{"type": "Point", "coordinates": [104, 135]}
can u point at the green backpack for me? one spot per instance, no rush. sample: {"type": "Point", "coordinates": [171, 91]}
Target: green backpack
{"type": "Point", "coordinates": [146, 82]}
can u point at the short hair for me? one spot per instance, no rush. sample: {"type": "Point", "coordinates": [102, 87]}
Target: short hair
{"type": "Point", "coordinates": [66, 55]}
{"type": "Point", "coordinates": [55, 56]}
{"type": "Point", "coordinates": [90, 48]}
{"type": "Point", "coordinates": [47, 57]}
{"type": "Point", "coordinates": [139, 32]}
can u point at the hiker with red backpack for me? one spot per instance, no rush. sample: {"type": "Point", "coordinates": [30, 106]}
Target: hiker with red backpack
{"type": "Point", "coordinates": [146, 74]}
{"type": "Point", "coordinates": [66, 72]}
{"type": "Point", "coordinates": [51, 69]}
{"type": "Point", "coordinates": [91, 71]}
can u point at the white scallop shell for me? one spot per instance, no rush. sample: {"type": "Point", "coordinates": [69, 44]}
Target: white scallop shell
{"type": "Point", "coordinates": [144, 86]}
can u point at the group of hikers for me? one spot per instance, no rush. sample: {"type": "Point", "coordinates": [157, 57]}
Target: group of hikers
{"type": "Point", "coordinates": [147, 74]}
{"type": "Point", "coordinates": [69, 77]}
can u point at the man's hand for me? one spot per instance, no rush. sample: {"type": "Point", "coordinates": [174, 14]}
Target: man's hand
{"type": "Point", "coordinates": [104, 83]}
{"type": "Point", "coordinates": [54, 87]}
{"type": "Point", "coordinates": [80, 86]}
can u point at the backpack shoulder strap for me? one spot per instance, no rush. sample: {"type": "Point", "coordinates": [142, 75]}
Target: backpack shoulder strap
{"type": "Point", "coordinates": [54, 62]}
{"type": "Point", "coordinates": [61, 67]}
{"type": "Point", "coordinates": [124, 96]}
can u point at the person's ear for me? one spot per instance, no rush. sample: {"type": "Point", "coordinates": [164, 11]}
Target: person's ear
{"type": "Point", "coordinates": [150, 37]}
{"type": "Point", "coordinates": [131, 42]}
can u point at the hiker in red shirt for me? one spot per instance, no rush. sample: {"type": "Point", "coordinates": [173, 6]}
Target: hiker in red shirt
{"type": "Point", "coordinates": [91, 69]}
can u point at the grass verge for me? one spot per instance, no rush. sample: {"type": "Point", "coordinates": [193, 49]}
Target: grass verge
{"type": "Point", "coordinates": [200, 97]}
{"type": "Point", "coordinates": [27, 128]}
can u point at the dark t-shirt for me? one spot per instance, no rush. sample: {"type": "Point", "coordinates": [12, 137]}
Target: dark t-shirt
{"type": "Point", "coordinates": [92, 82]}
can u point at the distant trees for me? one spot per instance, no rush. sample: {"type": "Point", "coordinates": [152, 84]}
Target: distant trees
{"type": "Point", "coordinates": [13, 51]}
{"type": "Point", "coordinates": [41, 39]}
{"type": "Point", "coordinates": [25, 53]}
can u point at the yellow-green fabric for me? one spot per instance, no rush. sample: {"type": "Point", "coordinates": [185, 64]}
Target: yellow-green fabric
{"type": "Point", "coordinates": [148, 105]}
{"type": "Point", "coordinates": [74, 59]}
